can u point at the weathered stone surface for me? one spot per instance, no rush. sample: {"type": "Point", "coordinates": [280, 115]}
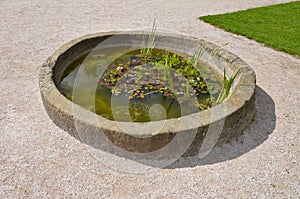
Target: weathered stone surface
{"type": "Point", "coordinates": [230, 118]}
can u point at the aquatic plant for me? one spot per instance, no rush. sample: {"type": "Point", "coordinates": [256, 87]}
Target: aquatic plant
{"type": "Point", "coordinates": [226, 86]}
{"type": "Point", "coordinates": [146, 52]}
{"type": "Point", "coordinates": [195, 58]}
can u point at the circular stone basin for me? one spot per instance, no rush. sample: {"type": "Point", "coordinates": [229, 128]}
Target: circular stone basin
{"type": "Point", "coordinates": [192, 134]}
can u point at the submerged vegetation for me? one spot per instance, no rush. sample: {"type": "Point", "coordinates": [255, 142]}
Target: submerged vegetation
{"type": "Point", "coordinates": [154, 70]}
{"type": "Point", "coordinates": [165, 72]}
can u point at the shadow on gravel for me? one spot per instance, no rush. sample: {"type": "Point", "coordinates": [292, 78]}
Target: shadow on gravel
{"type": "Point", "coordinates": [254, 135]}
{"type": "Point", "coordinates": [258, 131]}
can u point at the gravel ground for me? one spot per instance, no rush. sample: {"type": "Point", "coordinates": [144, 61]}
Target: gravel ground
{"type": "Point", "coordinates": [39, 160]}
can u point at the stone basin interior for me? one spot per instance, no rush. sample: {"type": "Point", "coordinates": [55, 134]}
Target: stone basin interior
{"type": "Point", "coordinates": [149, 104]}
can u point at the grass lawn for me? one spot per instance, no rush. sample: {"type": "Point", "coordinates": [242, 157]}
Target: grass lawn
{"type": "Point", "coordinates": [277, 26]}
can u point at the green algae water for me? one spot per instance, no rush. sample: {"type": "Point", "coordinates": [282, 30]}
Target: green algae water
{"type": "Point", "coordinates": [132, 88]}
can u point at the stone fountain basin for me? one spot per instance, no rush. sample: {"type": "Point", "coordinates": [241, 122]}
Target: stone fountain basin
{"type": "Point", "coordinates": [222, 122]}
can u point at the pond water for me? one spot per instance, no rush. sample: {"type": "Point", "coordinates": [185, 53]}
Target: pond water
{"type": "Point", "coordinates": [130, 87]}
